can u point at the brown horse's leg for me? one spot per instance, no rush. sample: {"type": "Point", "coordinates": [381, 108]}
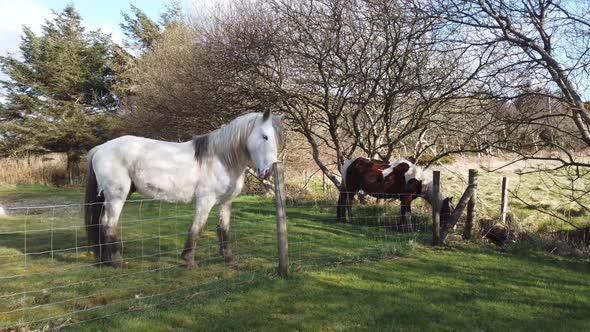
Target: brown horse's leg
{"type": "Point", "coordinates": [341, 207]}
{"type": "Point", "coordinates": [406, 213]}
{"type": "Point", "coordinates": [344, 206]}
{"type": "Point", "coordinates": [349, 200]}
{"type": "Point", "coordinates": [203, 206]}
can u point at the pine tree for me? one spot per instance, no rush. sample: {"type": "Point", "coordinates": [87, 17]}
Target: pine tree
{"type": "Point", "coordinates": [59, 96]}
{"type": "Point", "coordinates": [143, 31]}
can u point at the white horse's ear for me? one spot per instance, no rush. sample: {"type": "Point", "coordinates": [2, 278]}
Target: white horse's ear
{"type": "Point", "coordinates": [266, 115]}
{"type": "Point", "coordinates": [278, 118]}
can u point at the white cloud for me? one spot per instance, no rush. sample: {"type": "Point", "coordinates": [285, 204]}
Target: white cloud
{"type": "Point", "coordinates": [15, 14]}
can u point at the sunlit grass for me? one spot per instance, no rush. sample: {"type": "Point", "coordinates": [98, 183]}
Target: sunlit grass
{"type": "Point", "coordinates": [472, 289]}
{"type": "Point", "coordinates": [343, 277]}
{"type": "Point", "coordinates": [47, 270]}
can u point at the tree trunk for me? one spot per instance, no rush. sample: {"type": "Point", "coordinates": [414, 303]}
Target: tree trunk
{"type": "Point", "coordinates": [73, 166]}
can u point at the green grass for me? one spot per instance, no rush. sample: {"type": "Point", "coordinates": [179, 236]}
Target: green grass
{"type": "Point", "coordinates": [471, 289]}
{"type": "Point", "coordinates": [343, 277]}
{"type": "Point", "coordinates": [539, 190]}
{"type": "Point", "coordinates": [56, 276]}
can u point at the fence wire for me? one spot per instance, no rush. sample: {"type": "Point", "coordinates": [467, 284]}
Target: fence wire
{"type": "Point", "coordinates": [49, 276]}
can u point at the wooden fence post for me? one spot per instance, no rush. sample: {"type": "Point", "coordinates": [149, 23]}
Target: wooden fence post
{"type": "Point", "coordinates": [280, 199]}
{"type": "Point", "coordinates": [435, 209]}
{"type": "Point", "coordinates": [468, 229]}
{"type": "Point", "coordinates": [504, 208]}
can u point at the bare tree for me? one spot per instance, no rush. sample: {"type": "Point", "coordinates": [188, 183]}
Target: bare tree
{"type": "Point", "coordinates": [353, 77]}
{"type": "Point", "coordinates": [533, 82]}
{"type": "Point", "coordinates": [178, 89]}
{"type": "Point", "coordinates": [541, 49]}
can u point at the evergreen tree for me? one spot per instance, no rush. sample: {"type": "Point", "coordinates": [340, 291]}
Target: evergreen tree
{"type": "Point", "coordinates": [58, 97]}
{"type": "Point", "coordinates": [143, 31]}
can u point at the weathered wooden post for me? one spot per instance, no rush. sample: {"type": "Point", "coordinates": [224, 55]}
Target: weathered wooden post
{"type": "Point", "coordinates": [435, 209]}
{"type": "Point", "coordinates": [463, 202]}
{"type": "Point", "coordinates": [280, 199]}
{"type": "Point", "coordinates": [468, 229]}
{"type": "Point", "coordinates": [504, 208]}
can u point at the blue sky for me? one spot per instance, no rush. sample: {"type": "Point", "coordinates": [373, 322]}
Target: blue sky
{"type": "Point", "coordinates": [106, 13]}
{"type": "Point", "coordinates": [103, 14]}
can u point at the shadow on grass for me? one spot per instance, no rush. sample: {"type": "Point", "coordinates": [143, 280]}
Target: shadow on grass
{"type": "Point", "coordinates": [474, 288]}
{"type": "Point", "coordinates": [446, 290]}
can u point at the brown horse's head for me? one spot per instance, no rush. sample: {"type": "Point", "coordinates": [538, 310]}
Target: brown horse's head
{"type": "Point", "coordinates": [414, 188]}
{"type": "Point", "coordinates": [411, 190]}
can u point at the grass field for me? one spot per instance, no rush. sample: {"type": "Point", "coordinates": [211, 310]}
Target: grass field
{"type": "Point", "coordinates": [469, 289]}
{"type": "Point", "coordinates": [344, 277]}
{"type": "Point", "coordinates": [538, 190]}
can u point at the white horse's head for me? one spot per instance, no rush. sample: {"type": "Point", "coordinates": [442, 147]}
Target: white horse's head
{"type": "Point", "coordinates": [264, 143]}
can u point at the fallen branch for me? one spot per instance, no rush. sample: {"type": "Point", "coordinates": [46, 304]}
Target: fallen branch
{"type": "Point", "coordinates": [456, 214]}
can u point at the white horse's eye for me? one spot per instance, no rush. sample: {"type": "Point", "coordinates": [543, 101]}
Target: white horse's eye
{"type": "Point", "coordinates": [265, 137]}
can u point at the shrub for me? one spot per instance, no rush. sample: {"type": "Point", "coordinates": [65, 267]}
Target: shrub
{"type": "Point", "coordinates": [427, 158]}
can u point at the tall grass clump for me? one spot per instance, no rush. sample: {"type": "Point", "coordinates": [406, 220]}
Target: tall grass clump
{"type": "Point", "coordinates": [46, 169]}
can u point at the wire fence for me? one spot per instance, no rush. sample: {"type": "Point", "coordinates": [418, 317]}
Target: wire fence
{"type": "Point", "coordinates": [49, 276]}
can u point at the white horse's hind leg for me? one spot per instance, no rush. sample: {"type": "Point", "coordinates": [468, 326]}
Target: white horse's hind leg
{"type": "Point", "coordinates": [110, 245]}
{"type": "Point", "coordinates": [114, 183]}
{"type": "Point", "coordinates": [203, 206]}
{"type": "Point", "coordinates": [223, 231]}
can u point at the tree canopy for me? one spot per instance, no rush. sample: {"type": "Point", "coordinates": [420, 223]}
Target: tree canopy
{"type": "Point", "coordinates": [59, 92]}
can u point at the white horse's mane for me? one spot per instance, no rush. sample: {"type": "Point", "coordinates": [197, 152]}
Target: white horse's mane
{"type": "Point", "coordinates": [229, 143]}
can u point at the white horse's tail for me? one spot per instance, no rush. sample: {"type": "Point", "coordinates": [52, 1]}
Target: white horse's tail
{"type": "Point", "coordinates": [94, 203]}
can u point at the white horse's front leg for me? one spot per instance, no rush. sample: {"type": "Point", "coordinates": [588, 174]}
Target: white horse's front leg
{"type": "Point", "coordinates": [223, 231]}
{"type": "Point", "coordinates": [203, 206]}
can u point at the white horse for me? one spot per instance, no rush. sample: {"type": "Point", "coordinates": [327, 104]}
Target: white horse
{"type": "Point", "coordinates": [208, 170]}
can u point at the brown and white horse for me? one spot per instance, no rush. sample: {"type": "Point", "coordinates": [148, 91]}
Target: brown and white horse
{"type": "Point", "coordinates": [400, 179]}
